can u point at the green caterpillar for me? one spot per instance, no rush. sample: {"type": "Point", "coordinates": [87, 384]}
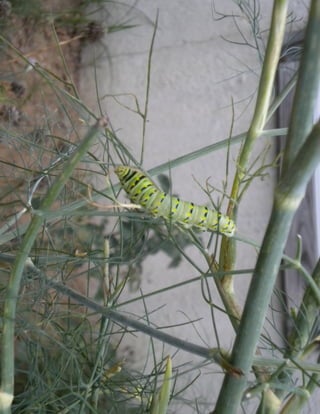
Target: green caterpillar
{"type": "Point", "coordinates": [143, 191]}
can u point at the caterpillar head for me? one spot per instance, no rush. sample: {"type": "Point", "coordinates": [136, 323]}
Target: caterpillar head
{"type": "Point", "coordinates": [121, 171]}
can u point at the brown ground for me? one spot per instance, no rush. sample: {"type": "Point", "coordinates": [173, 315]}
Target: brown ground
{"type": "Point", "coordinates": [37, 119]}
{"type": "Point", "coordinates": [52, 42]}
{"type": "Point", "coordinates": [39, 61]}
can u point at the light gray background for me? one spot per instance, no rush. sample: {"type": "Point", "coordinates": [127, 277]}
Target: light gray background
{"type": "Point", "coordinates": [196, 76]}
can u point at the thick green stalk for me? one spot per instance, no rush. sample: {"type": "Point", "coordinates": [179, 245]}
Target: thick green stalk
{"type": "Point", "coordinates": [12, 294]}
{"type": "Point", "coordinates": [270, 65]}
{"type": "Point", "coordinates": [308, 85]}
{"type": "Point", "coordinates": [288, 196]}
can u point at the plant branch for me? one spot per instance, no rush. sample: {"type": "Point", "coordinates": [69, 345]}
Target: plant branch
{"type": "Point", "coordinates": [307, 91]}
{"type": "Point", "coordinates": [288, 196]}
{"type": "Point", "coordinates": [228, 248]}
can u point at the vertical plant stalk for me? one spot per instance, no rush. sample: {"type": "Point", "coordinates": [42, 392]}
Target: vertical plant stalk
{"type": "Point", "coordinates": [228, 251]}
{"type": "Point", "coordinates": [301, 122]}
{"type": "Point", "coordinates": [307, 91]}
{"type": "Point", "coordinates": [227, 296]}
{"type": "Point", "coordinates": [270, 65]}
{"type": "Point", "coordinates": [288, 195]}
{"type": "Point", "coordinates": [12, 293]}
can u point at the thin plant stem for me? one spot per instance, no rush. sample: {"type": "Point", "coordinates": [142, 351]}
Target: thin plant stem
{"type": "Point", "coordinates": [146, 106]}
{"type": "Point", "coordinates": [217, 355]}
{"type": "Point", "coordinates": [204, 151]}
{"type": "Point", "coordinates": [115, 315]}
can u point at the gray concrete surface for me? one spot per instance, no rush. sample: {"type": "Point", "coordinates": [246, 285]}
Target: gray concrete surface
{"type": "Point", "coordinates": [202, 85]}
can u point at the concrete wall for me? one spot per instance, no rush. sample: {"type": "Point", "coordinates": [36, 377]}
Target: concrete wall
{"type": "Point", "coordinates": [202, 86]}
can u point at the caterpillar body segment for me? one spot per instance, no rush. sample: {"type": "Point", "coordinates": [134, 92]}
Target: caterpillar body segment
{"type": "Point", "coordinates": [143, 191]}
